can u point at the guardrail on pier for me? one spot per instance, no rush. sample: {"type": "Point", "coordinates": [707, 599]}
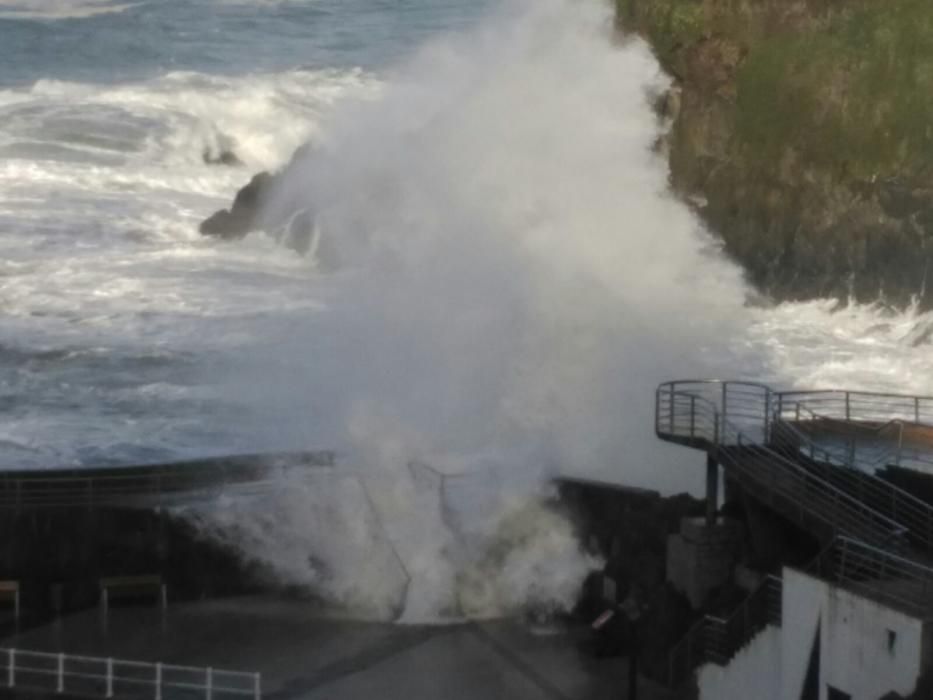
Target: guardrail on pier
{"type": "Point", "coordinates": [96, 677]}
{"type": "Point", "coordinates": [884, 576]}
{"type": "Point", "coordinates": [784, 447]}
{"type": "Point", "coordinates": [737, 416]}
{"type": "Point", "coordinates": [152, 485]}
{"type": "Point", "coordinates": [685, 415]}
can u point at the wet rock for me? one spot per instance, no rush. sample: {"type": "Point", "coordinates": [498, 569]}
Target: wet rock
{"type": "Point", "coordinates": [225, 225]}
{"type": "Point", "coordinates": [244, 215]}
{"type": "Point", "coordinates": [224, 157]}
{"type": "Point", "coordinates": [267, 203]}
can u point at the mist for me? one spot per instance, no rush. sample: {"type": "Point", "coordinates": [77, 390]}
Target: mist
{"type": "Point", "coordinates": [507, 278]}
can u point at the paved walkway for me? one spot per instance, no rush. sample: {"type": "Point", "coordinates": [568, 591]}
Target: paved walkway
{"type": "Point", "coordinates": [306, 654]}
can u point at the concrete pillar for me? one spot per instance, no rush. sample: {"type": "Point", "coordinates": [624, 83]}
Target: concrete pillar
{"type": "Point", "coordinates": [712, 490]}
{"type": "Point", "coordinates": [700, 558]}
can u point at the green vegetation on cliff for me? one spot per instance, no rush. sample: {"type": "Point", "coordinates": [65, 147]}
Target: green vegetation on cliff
{"type": "Point", "coordinates": [808, 128]}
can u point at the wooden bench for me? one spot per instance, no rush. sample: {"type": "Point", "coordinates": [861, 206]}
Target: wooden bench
{"type": "Point", "coordinates": [132, 587]}
{"type": "Point", "coordinates": [9, 592]}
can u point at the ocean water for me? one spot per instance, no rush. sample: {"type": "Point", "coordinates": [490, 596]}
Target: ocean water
{"type": "Point", "coordinates": [115, 314]}
{"type": "Point", "coordinates": [515, 278]}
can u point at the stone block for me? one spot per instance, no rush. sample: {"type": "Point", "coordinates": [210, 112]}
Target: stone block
{"type": "Point", "coordinates": [701, 558]}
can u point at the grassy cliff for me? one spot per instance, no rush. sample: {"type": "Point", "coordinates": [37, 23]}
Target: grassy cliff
{"type": "Point", "coordinates": [806, 126]}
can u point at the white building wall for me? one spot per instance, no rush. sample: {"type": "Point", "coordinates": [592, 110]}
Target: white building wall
{"type": "Point", "coordinates": [755, 672]}
{"type": "Point", "coordinates": [868, 650]}
{"type": "Point", "coordinates": [800, 615]}
{"type": "Point", "coordinates": [856, 653]}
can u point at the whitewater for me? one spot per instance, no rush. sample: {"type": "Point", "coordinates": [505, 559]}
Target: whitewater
{"type": "Point", "coordinates": [515, 274]}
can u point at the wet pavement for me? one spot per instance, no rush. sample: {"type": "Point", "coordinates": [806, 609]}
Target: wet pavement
{"type": "Point", "coordinates": [306, 653]}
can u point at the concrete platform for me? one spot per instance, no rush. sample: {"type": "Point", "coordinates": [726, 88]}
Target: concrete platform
{"type": "Point", "coordinates": [304, 652]}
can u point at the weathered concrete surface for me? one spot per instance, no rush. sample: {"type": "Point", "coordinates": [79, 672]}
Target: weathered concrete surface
{"type": "Point", "coordinates": [304, 653]}
{"type": "Point", "coordinates": [700, 558]}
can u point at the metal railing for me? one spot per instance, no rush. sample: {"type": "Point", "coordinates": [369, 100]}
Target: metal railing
{"type": "Point", "coordinates": [757, 434]}
{"type": "Point", "coordinates": [744, 405]}
{"type": "Point", "coordinates": [725, 637]}
{"type": "Point", "coordinates": [684, 414]}
{"type": "Point", "coordinates": [862, 429]}
{"type": "Point", "coordinates": [756, 415]}
{"type": "Point", "coordinates": [878, 574]}
{"type": "Point", "coordinates": [717, 640]}
{"type": "Point", "coordinates": [856, 475]}
{"type": "Point", "coordinates": [865, 406]}
{"type": "Point", "coordinates": [90, 676]}
{"type": "Point", "coordinates": [154, 485]}
{"type": "Point", "coordinates": [754, 408]}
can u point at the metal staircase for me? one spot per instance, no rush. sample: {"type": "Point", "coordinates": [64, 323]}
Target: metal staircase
{"type": "Point", "coordinates": [812, 457]}
{"type": "Point", "coordinates": [717, 640]}
{"type": "Point", "coordinates": [772, 444]}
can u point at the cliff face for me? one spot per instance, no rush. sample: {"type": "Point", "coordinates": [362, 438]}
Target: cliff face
{"type": "Point", "coordinates": [804, 131]}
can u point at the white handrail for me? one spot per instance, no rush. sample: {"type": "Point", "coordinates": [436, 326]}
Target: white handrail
{"type": "Point", "coordinates": [22, 665]}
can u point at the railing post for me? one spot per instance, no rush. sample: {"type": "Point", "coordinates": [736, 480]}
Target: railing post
{"type": "Point", "coordinates": [900, 445]}
{"type": "Point", "coordinates": [208, 683]}
{"type": "Point", "coordinates": [671, 415]}
{"type": "Point", "coordinates": [693, 414]}
{"type": "Point", "coordinates": [60, 685]}
{"type": "Point", "coordinates": [725, 410]}
{"type": "Point", "coordinates": [712, 490]}
{"type": "Point", "coordinates": [158, 681]}
{"type": "Point", "coordinates": [767, 417]}
{"type": "Point", "coordinates": [657, 411]}
{"type": "Point", "coordinates": [11, 668]}
{"type": "Point", "coordinates": [257, 686]}
{"type": "Point", "coordinates": [916, 409]}
{"type": "Point", "coordinates": [110, 678]}
{"type": "Point", "coordinates": [848, 411]}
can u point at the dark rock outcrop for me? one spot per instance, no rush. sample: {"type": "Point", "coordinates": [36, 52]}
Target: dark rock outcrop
{"type": "Point", "coordinates": [266, 203]}
{"type": "Point", "coordinates": [223, 157]}
{"type": "Point", "coordinates": [244, 215]}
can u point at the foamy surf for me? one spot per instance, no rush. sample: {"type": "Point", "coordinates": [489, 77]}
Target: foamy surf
{"type": "Point", "coordinates": [60, 9]}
